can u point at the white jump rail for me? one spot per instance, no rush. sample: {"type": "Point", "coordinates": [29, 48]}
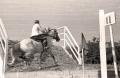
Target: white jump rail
{"type": "Point", "coordinates": [4, 46]}
{"type": "Point", "coordinates": [70, 42]}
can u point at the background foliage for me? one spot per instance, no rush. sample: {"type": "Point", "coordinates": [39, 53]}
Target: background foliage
{"type": "Point", "coordinates": [92, 54]}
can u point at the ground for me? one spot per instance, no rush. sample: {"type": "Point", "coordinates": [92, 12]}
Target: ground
{"type": "Point", "coordinates": [64, 63]}
{"type": "Point", "coordinates": [67, 68]}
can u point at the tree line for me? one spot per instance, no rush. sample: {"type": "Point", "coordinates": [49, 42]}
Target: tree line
{"type": "Point", "coordinates": [92, 54]}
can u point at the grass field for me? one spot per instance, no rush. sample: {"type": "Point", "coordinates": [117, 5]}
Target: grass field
{"type": "Point", "coordinates": [64, 62]}
{"type": "Point", "coordinates": [67, 68]}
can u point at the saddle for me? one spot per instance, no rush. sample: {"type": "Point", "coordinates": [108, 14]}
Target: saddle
{"type": "Point", "coordinates": [41, 38]}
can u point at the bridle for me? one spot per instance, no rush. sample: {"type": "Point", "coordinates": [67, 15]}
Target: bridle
{"type": "Point", "coordinates": [55, 32]}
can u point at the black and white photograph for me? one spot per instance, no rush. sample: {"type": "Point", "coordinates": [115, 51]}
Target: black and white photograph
{"type": "Point", "coordinates": [60, 39]}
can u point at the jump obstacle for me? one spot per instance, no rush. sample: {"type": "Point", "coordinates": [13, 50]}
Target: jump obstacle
{"type": "Point", "coordinates": [3, 49]}
{"type": "Point", "coordinates": [106, 20]}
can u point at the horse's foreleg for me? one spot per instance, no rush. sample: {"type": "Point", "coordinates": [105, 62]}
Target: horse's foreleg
{"type": "Point", "coordinates": [55, 61]}
{"type": "Point", "coordinates": [41, 59]}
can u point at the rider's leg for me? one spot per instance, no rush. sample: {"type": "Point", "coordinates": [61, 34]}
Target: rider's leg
{"type": "Point", "coordinates": [44, 44]}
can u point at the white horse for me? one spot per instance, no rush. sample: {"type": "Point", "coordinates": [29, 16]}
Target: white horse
{"type": "Point", "coordinates": [26, 48]}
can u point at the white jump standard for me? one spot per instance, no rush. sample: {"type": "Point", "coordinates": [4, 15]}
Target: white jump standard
{"type": "Point", "coordinates": [106, 20]}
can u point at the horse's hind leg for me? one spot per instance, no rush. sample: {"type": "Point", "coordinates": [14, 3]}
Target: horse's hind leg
{"type": "Point", "coordinates": [12, 56]}
{"type": "Point", "coordinates": [42, 57]}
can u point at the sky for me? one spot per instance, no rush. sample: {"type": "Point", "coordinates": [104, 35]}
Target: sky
{"type": "Point", "coordinates": [78, 15]}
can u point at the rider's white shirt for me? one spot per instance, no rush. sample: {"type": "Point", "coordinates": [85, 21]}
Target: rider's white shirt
{"type": "Point", "coordinates": [36, 30]}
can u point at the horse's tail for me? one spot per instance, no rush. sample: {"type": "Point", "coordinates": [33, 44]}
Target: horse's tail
{"type": "Point", "coordinates": [12, 56]}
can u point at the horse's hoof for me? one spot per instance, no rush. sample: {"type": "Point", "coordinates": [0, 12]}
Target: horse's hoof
{"type": "Point", "coordinates": [56, 63]}
{"type": "Point", "coordinates": [39, 67]}
{"type": "Point", "coordinates": [10, 65]}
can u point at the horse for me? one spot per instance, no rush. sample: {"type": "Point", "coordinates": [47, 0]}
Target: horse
{"type": "Point", "coordinates": [26, 48]}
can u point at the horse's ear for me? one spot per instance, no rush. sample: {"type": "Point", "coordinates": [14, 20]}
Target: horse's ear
{"type": "Point", "coordinates": [55, 30]}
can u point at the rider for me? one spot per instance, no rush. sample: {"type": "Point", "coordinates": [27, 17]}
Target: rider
{"type": "Point", "coordinates": [37, 31]}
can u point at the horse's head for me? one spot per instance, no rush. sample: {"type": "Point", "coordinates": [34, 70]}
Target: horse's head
{"type": "Point", "coordinates": [54, 33]}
